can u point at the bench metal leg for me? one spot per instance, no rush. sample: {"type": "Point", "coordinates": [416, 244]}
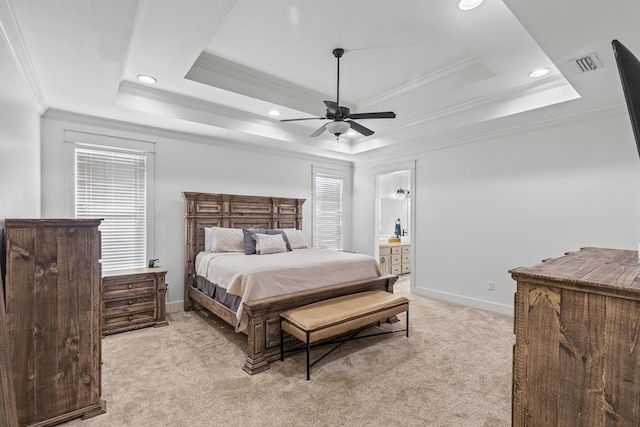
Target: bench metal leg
{"type": "Point", "coordinates": [308, 351]}
{"type": "Point", "coordinates": [407, 327]}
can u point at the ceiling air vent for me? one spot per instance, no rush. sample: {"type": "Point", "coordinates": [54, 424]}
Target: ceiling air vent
{"type": "Point", "coordinates": [586, 63]}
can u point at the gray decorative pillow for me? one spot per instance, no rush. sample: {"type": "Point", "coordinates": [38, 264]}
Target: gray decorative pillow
{"type": "Point", "coordinates": [249, 241]}
{"type": "Point", "coordinates": [269, 243]}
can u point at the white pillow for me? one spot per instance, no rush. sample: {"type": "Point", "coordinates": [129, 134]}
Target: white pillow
{"type": "Point", "coordinates": [207, 239]}
{"type": "Point", "coordinates": [269, 243]}
{"type": "Point", "coordinates": [296, 239]}
{"type": "Point", "coordinates": [227, 239]}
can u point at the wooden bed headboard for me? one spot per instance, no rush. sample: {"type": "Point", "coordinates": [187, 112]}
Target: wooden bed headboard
{"type": "Point", "coordinates": [232, 211]}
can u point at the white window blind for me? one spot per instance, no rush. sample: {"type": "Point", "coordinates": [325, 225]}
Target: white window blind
{"type": "Point", "coordinates": [327, 220]}
{"type": "Point", "coordinates": [111, 184]}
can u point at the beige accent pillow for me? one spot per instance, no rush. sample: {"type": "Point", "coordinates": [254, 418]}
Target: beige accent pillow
{"type": "Point", "coordinates": [269, 244]}
{"type": "Point", "coordinates": [296, 239]}
{"type": "Point", "coordinates": [227, 239]}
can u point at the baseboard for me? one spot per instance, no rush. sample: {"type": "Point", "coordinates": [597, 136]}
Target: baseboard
{"type": "Point", "coordinates": [463, 300]}
{"type": "Point", "coordinates": [174, 307]}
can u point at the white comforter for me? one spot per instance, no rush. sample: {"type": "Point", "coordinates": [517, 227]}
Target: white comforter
{"type": "Point", "coordinates": [255, 277]}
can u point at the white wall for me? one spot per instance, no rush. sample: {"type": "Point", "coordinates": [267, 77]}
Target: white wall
{"type": "Point", "coordinates": [185, 163]}
{"type": "Point", "coordinates": [491, 205]}
{"type": "Point", "coordinates": [19, 143]}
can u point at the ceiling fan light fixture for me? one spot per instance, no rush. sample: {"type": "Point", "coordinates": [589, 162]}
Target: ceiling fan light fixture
{"type": "Point", "coordinates": [338, 128]}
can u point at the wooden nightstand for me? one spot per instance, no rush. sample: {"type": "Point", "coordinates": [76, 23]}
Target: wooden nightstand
{"type": "Point", "coordinates": [133, 299]}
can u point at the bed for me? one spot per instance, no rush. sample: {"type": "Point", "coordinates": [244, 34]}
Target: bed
{"type": "Point", "coordinates": [259, 312]}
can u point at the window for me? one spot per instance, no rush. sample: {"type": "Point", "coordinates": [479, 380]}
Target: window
{"type": "Point", "coordinates": [327, 206]}
{"type": "Point", "coordinates": [111, 184]}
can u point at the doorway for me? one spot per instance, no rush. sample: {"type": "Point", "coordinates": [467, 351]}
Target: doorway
{"type": "Point", "coordinates": [395, 225]}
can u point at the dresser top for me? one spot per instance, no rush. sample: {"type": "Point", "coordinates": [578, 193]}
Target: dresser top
{"type": "Point", "coordinates": [600, 267]}
{"type": "Point", "coordinates": [51, 222]}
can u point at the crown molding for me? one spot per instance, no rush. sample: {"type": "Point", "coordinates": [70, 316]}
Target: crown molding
{"type": "Point", "coordinates": [124, 129]}
{"type": "Point", "coordinates": [218, 72]}
{"type": "Point", "coordinates": [10, 32]}
{"type": "Point", "coordinates": [467, 64]}
{"type": "Point", "coordinates": [414, 148]}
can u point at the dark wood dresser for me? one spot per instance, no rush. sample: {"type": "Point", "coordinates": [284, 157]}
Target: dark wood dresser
{"type": "Point", "coordinates": [576, 359]}
{"type": "Point", "coordinates": [133, 299]}
{"type": "Point", "coordinates": [52, 291]}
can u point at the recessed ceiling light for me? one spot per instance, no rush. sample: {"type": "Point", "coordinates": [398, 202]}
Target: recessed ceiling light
{"type": "Point", "coordinates": [274, 113]}
{"type": "Point", "coordinates": [469, 4]}
{"type": "Point", "coordinates": [144, 78]}
{"type": "Point", "coordinates": [539, 72]}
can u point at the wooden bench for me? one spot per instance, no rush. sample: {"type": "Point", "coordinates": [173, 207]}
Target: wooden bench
{"type": "Point", "coordinates": [338, 316]}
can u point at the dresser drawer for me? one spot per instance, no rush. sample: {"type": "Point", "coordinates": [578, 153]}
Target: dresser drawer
{"type": "Point", "coordinates": [406, 268]}
{"type": "Point", "coordinates": [396, 259]}
{"type": "Point", "coordinates": [406, 258]}
{"type": "Point", "coordinates": [406, 249]}
{"type": "Point", "coordinates": [396, 269]}
{"type": "Point", "coordinates": [396, 250]}
{"type": "Point", "coordinates": [385, 251]}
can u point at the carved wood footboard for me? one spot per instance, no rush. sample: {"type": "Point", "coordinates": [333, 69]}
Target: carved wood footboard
{"type": "Point", "coordinates": [263, 330]}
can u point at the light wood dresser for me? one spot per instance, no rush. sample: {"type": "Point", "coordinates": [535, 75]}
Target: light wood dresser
{"type": "Point", "coordinates": [52, 291]}
{"type": "Point", "coordinates": [395, 259]}
{"type": "Point", "coordinates": [133, 299]}
{"type": "Point", "coordinates": [576, 358]}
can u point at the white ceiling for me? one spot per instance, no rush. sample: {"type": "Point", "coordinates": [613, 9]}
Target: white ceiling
{"type": "Point", "coordinates": [222, 65]}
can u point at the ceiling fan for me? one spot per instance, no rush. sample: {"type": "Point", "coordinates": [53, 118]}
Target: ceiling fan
{"type": "Point", "coordinates": [341, 117]}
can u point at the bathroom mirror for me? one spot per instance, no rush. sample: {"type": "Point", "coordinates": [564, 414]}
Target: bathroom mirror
{"type": "Point", "coordinates": [390, 211]}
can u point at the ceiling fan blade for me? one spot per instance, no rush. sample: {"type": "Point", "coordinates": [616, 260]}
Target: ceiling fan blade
{"type": "Point", "coordinates": [380, 115]}
{"type": "Point", "coordinates": [361, 129]}
{"type": "Point", "coordinates": [332, 107]}
{"type": "Point", "coordinates": [320, 130]}
{"type": "Point", "coordinates": [307, 118]}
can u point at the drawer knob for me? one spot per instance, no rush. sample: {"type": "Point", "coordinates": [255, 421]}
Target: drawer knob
{"type": "Point", "coordinates": [130, 301]}
{"type": "Point", "coordinates": [130, 317]}
{"type": "Point", "coordinates": [130, 286]}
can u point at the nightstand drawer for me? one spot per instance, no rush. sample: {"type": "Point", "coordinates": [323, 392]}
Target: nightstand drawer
{"type": "Point", "coordinates": [396, 259]}
{"type": "Point", "coordinates": [395, 250]}
{"type": "Point", "coordinates": [406, 249]}
{"type": "Point", "coordinates": [406, 268]}
{"type": "Point", "coordinates": [121, 287]}
{"type": "Point", "coordinates": [406, 258]}
{"type": "Point", "coordinates": [128, 320]}
{"type": "Point", "coordinates": [396, 269]}
{"type": "Point", "coordinates": [137, 302]}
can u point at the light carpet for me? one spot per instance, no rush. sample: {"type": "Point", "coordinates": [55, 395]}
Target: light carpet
{"type": "Point", "coordinates": [453, 370]}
